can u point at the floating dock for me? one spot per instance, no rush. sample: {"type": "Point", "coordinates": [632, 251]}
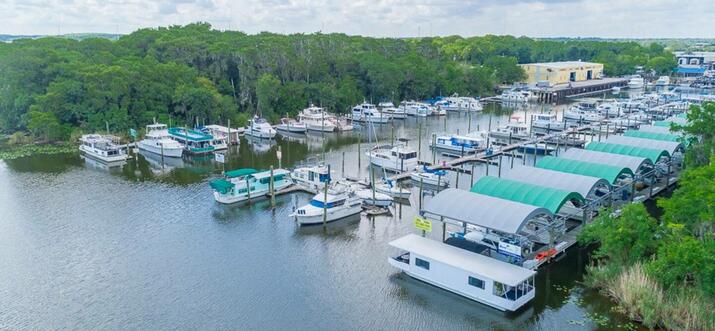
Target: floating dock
{"type": "Point", "coordinates": [559, 93]}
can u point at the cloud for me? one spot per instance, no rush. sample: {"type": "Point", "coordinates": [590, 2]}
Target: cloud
{"type": "Point", "coordinates": [538, 18]}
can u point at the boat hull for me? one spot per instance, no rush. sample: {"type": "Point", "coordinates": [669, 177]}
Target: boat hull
{"type": "Point", "coordinates": [291, 129]}
{"type": "Point", "coordinates": [106, 159]}
{"type": "Point", "coordinates": [321, 128]}
{"type": "Point", "coordinates": [332, 215]}
{"type": "Point", "coordinates": [167, 152]}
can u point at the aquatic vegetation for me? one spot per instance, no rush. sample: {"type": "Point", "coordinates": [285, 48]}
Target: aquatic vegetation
{"type": "Point", "coordinates": [16, 152]}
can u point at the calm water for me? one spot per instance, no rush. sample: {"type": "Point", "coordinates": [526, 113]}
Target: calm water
{"type": "Point", "coordinates": [145, 246]}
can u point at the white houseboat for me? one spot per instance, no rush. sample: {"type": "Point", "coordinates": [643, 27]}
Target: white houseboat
{"type": "Point", "coordinates": [366, 112]}
{"type": "Point", "coordinates": [312, 178]}
{"type": "Point", "coordinates": [194, 142]}
{"type": "Point", "coordinates": [501, 285]}
{"type": "Point", "coordinates": [102, 148]}
{"type": "Point", "coordinates": [157, 141]}
{"type": "Point", "coordinates": [467, 144]}
{"type": "Point", "coordinates": [290, 125]}
{"type": "Point", "coordinates": [230, 134]}
{"type": "Point", "coordinates": [546, 123]}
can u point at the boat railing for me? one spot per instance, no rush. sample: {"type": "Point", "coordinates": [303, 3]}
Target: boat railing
{"type": "Point", "coordinates": [404, 258]}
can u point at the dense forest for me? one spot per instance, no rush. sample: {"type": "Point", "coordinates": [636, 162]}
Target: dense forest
{"type": "Point", "coordinates": [53, 87]}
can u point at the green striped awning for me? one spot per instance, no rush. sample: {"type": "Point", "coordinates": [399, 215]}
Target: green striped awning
{"type": "Point", "coordinates": [651, 135]}
{"type": "Point", "coordinates": [653, 155]}
{"type": "Point", "coordinates": [607, 172]}
{"type": "Point", "coordinates": [240, 172]}
{"type": "Point", "coordinates": [530, 194]}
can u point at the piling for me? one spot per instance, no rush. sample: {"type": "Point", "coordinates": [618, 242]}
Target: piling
{"type": "Point", "coordinates": [271, 188]}
{"type": "Point", "coordinates": [248, 190]}
{"type": "Point", "coordinates": [342, 173]}
{"type": "Point", "coordinates": [421, 186]}
{"type": "Point", "coordinates": [434, 150]}
{"type": "Point", "coordinates": [325, 198]}
{"type": "Point", "coordinates": [419, 141]}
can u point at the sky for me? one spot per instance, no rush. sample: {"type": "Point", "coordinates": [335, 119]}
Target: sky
{"type": "Point", "coordinates": [381, 18]}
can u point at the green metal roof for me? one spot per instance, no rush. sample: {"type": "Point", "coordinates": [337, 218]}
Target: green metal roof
{"type": "Point", "coordinates": [609, 173]}
{"type": "Point", "coordinates": [653, 155]}
{"type": "Point", "coordinates": [190, 134]}
{"type": "Point", "coordinates": [530, 194]}
{"type": "Point", "coordinates": [240, 172]}
{"type": "Point", "coordinates": [683, 115]}
{"type": "Point", "coordinates": [221, 185]}
{"type": "Point", "coordinates": [651, 135]}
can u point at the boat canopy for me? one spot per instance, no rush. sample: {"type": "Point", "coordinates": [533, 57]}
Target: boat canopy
{"type": "Point", "coordinates": [189, 134]}
{"type": "Point", "coordinates": [651, 135]}
{"type": "Point", "coordinates": [530, 194]}
{"type": "Point", "coordinates": [635, 163]}
{"type": "Point", "coordinates": [607, 172]}
{"type": "Point", "coordinates": [482, 210]}
{"type": "Point", "coordinates": [669, 146]}
{"type": "Point", "coordinates": [240, 172]}
{"type": "Point", "coordinates": [667, 122]}
{"type": "Point", "coordinates": [653, 155]}
{"type": "Point", "coordinates": [221, 185]}
{"type": "Point", "coordinates": [474, 263]}
{"type": "Point", "coordinates": [584, 185]}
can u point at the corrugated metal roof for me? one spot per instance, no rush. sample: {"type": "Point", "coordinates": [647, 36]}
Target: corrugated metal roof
{"type": "Point", "coordinates": [666, 122]}
{"type": "Point", "coordinates": [609, 173]}
{"type": "Point", "coordinates": [653, 155]}
{"type": "Point", "coordinates": [530, 194]}
{"type": "Point", "coordinates": [482, 210]}
{"type": "Point", "coordinates": [619, 160]}
{"type": "Point", "coordinates": [651, 135]}
{"type": "Point", "coordinates": [474, 263]}
{"type": "Point", "coordinates": [668, 146]}
{"type": "Point", "coordinates": [584, 185]}
{"type": "Point", "coordinates": [656, 129]}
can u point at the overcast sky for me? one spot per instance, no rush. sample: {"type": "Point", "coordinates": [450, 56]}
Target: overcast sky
{"type": "Point", "coordinates": [390, 18]}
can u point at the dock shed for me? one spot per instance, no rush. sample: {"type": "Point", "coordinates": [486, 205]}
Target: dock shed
{"type": "Point", "coordinates": [653, 155]}
{"type": "Point", "coordinates": [671, 147]}
{"type": "Point", "coordinates": [612, 174]}
{"type": "Point", "coordinates": [637, 164]}
{"type": "Point", "coordinates": [589, 187]}
{"type": "Point", "coordinates": [530, 194]}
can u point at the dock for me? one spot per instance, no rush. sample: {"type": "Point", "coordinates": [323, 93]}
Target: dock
{"type": "Point", "coordinates": [560, 92]}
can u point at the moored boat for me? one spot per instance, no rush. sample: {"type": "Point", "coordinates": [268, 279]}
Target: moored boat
{"type": "Point", "coordinates": [260, 128]}
{"type": "Point", "coordinates": [243, 184]}
{"type": "Point", "coordinates": [194, 142]}
{"type": "Point", "coordinates": [157, 141]}
{"type": "Point", "coordinates": [102, 148]}
{"type": "Point", "coordinates": [339, 203]}
{"type": "Point", "coordinates": [291, 126]}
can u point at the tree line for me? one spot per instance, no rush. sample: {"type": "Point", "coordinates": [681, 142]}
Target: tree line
{"type": "Point", "coordinates": [52, 86]}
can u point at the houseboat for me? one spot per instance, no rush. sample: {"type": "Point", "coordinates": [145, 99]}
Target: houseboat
{"type": "Point", "coordinates": [546, 123]}
{"type": "Point", "coordinates": [230, 134]}
{"type": "Point", "coordinates": [243, 184]}
{"type": "Point", "coordinates": [510, 133]}
{"type": "Point", "coordinates": [157, 141]}
{"type": "Point", "coordinates": [498, 284]}
{"type": "Point", "coordinates": [312, 178]}
{"type": "Point", "coordinates": [457, 103]}
{"type": "Point", "coordinates": [194, 142]}
{"type": "Point", "coordinates": [413, 108]}
{"type": "Point", "coordinates": [102, 148]}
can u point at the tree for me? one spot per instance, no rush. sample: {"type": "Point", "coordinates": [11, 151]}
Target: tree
{"type": "Point", "coordinates": [692, 205]}
{"type": "Point", "coordinates": [44, 125]}
{"type": "Point", "coordinates": [267, 93]}
{"type": "Point", "coordinates": [625, 238]}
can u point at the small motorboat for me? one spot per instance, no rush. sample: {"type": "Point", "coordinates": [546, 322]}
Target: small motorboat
{"type": "Point", "coordinates": [430, 177]}
{"type": "Point", "coordinates": [391, 188]}
{"type": "Point", "coordinates": [291, 126]}
{"type": "Point", "coordinates": [375, 198]}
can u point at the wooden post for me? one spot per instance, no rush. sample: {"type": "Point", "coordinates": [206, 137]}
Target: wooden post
{"type": "Point", "coordinates": [469, 126]}
{"type": "Point", "coordinates": [444, 229]}
{"type": "Point", "coordinates": [343, 167]}
{"type": "Point", "coordinates": [439, 183]}
{"type": "Point", "coordinates": [325, 198]}
{"type": "Point", "coordinates": [248, 189]}
{"type": "Point", "coordinates": [421, 185]}
{"type": "Point", "coordinates": [271, 188]}
{"type": "Point", "coordinates": [434, 150]}
{"type": "Point", "coordinates": [358, 151]}
{"type": "Point", "coordinates": [499, 170]}
{"type": "Point", "coordinates": [456, 181]}
{"type": "Point", "coordinates": [471, 180]}
{"type": "Point", "coordinates": [419, 141]}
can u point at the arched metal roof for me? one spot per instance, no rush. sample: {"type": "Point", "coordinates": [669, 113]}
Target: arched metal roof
{"type": "Point", "coordinates": [667, 121]}
{"type": "Point", "coordinates": [668, 146]}
{"type": "Point", "coordinates": [619, 160]}
{"type": "Point", "coordinates": [497, 214]}
{"type": "Point", "coordinates": [651, 135]}
{"type": "Point", "coordinates": [609, 173]}
{"type": "Point", "coordinates": [530, 194]}
{"type": "Point", "coordinates": [584, 185]}
{"type": "Point", "coordinates": [656, 129]}
{"type": "Point", "coordinates": [653, 155]}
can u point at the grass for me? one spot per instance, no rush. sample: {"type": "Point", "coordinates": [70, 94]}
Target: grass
{"type": "Point", "coordinates": [16, 152]}
{"type": "Point", "coordinates": [642, 299]}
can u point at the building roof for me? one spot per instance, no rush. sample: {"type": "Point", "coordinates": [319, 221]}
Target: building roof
{"type": "Point", "coordinates": [651, 135]}
{"type": "Point", "coordinates": [563, 64]}
{"type": "Point", "coordinates": [584, 185]}
{"type": "Point", "coordinates": [609, 173]}
{"type": "Point", "coordinates": [474, 263]}
{"type": "Point", "coordinates": [601, 157]}
{"type": "Point", "coordinates": [653, 155]}
{"type": "Point", "coordinates": [530, 194]}
{"type": "Point", "coordinates": [497, 214]}
{"type": "Point", "coordinates": [668, 146]}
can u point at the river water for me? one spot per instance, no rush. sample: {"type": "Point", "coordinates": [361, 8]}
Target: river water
{"type": "Point", "coordinates": [145, 246]}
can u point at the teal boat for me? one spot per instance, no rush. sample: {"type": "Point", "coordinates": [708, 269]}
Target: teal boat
{"type": "Point", "coordinates": [241, 184]}
{"type": "Point", "coordinates": [195, 142]}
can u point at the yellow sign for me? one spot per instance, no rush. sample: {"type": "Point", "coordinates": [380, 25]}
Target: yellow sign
{"type": "Point", "coordinates": [423, 224]}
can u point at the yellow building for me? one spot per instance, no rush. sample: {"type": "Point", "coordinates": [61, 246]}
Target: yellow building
{"type": "Point", "coordinates": [561, 72]}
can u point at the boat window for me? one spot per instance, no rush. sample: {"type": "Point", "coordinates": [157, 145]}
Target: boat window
{"type": "Point", "coordinates": [476, 282]}
{"type": "Point", "coordinates": [513, 292]}
{"type": "Point", "coordinates": [422, 263]}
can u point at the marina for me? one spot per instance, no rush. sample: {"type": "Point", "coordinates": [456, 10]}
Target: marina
{"type": "Point", "coordinates": [441, 186]}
